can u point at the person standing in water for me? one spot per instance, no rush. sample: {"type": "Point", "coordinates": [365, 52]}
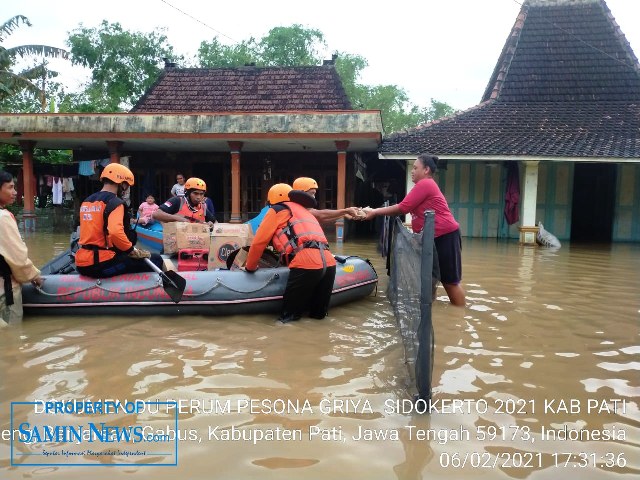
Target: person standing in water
{"type": "Point", "coordinates": [426, 195]}
{"type": "Point", "coordinates": [15, 265]}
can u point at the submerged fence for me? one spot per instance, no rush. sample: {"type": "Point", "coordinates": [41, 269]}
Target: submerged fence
{"type": "Point", "coordinates": [410, 263]}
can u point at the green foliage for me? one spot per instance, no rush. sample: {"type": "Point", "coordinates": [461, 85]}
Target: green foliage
{"type": "Point", "coordinates": [297, 46]}
{"type": "Point", "coordinates": [438, 110]}
{"type": "Point", "coordinates": [282, 47]}
{"type": "Point", "coordinates": [24, 101]}
{"type": "Point", "coordinates": [349, 67]}
{"type": "Point", "coordinates": [11, 154]}
{"type": "Point", "coordinates": [214, 54]}
{"type": "Point", "coordinates": [291, 46]}
{"type": "Point", "coordinates": [15, 83]}
{"type": "Point", "coordinates": [124, 65]}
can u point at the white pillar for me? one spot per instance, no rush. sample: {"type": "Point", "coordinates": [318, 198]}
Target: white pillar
{"type": "Point", "coordinates": [410, 184]}
{"type": "Point", "coordinates": [528, 228]}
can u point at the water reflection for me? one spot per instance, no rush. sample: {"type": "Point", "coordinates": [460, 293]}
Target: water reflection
{"type": "Point", "coordinates": [540, 326]}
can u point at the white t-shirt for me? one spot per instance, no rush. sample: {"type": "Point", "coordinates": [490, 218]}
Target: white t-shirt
{"type": "Point", "coordinates": [177, 190]}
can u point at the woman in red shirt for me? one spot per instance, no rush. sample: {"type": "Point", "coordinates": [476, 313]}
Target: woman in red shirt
{"type": "Point", "coordinates": [426, 195]}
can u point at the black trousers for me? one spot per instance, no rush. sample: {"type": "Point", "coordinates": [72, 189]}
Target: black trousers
{"type": "Point", "coordinates": [121, 263]}
{"type": "Point", "coordinates": [307, 290]}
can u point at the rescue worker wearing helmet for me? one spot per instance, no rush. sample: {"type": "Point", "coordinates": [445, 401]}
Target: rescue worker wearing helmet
{"type": "Point", "coordinates": [298, 237]}
{"type": "Point", "coordinates": [310, 186]}
{"type": "Point", "coordinates": [189, 208]}
{"type": "Point", "coordinates": [107, 242]}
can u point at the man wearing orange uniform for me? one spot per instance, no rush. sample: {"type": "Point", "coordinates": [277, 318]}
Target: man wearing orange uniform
{"type": "Point", "coordinates": [189, 208]}
{"type": "Point", "coordinates": [106, 240]}
{"type": "Point", "coordinates": [298, 238]}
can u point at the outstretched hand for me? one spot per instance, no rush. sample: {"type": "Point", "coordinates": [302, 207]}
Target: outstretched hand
{"type": "Point", "coordinates": [139, 253]}
{"type": "Point", "coordinates": [351, 213]}
{"type": "Point", "coordinates": [369, 213]}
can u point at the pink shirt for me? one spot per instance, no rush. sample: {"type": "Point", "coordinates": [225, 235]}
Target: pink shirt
{"type": "Point", "coordinates": [147, 209]}
{"type": "Point", "coordinates": [426, 195]}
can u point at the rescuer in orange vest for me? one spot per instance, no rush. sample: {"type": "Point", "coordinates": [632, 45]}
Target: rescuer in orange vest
{"type": "Point", "coordinates": [298, 237]}
{"type": "Point", "coordinates": [107, 241]}
{"type": "Point", "coordinates": [189, 208]}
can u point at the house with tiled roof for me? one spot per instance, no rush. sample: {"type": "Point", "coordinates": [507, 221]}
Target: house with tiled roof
{"type": "Point", "coordinates": [240, 129]}
{"type": "Point", "coordinates": [563, 103]}
{"type": "Point", "coordinates": [245, 89]}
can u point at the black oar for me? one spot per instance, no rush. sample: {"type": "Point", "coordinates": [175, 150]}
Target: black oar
{"type": "Point", "coordinates": [172, 283]}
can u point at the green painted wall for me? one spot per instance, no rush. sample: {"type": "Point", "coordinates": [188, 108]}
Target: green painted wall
{"type": "Point", "coordinates": [475, 192]}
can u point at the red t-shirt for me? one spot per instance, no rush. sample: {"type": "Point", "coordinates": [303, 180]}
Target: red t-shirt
{"type": "Point", "coordinates": [426, 195]}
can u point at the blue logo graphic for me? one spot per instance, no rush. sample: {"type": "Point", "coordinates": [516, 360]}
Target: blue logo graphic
{"type": "Point", "coordinates": [98, 434]}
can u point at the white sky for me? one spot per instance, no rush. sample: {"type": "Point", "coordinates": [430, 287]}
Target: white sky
{"type": "Point", "coordinates": [441, 49]}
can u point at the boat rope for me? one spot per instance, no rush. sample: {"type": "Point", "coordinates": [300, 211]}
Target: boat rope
{"type": "Point", "coordinates": [220, 283]}
{"type": "Point", "coordinates": [98, 285]}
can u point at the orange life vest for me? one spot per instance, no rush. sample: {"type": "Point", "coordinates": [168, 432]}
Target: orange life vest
{"type": "Point", "coordinates": [301, 231]}
{"type": "Point", "coordinates": [94, 218]}
{"type": "Point", "coordinates": [194, 215]}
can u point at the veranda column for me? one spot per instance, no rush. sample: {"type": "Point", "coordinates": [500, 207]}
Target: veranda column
{"type": "Point", "coordinates": [28, 210]}
{"type": "Point", "coordinates": [528, 228]}
{"type": "Point", "coordinates": [115, 150]}
{"type": "Point", "coordinates": [342, 179]}
{"type": "Point", "coordinates": [235, 147]}
{"type": "Point", "coordinates": [409, 185]}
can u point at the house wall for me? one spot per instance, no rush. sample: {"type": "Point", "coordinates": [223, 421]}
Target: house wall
{"type": "Point", "coordinates": [475, 193]}
{"type": "Point", "coordinates": [555, 192]}
{"type": "Point", "coordinates": [626, 222]}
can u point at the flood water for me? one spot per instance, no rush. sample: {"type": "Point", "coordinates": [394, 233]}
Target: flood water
{"type": "Point", "coordinates": [538, 377]}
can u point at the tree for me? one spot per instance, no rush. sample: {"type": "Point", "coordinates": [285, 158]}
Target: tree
{"type": "Point", "coordinates": [124, 64]}
{"type": "Point", "coordinates": [438, 110]}
{"type": "Point", "coordinates": [291, 46]}
{"type": "Point", "coordinates": [349, 67]}
{"type": "Point", "coordinates": [281, 47]}
{"type": "Point", "coordinates": [297, 46]}
{"type": "Point", "coordinates": [12, 83]}
{"type": "Point", "coordinates": [215, 54]}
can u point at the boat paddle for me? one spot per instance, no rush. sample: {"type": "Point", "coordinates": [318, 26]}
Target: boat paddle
{"type": "Point", "coordinates": [172, 283]}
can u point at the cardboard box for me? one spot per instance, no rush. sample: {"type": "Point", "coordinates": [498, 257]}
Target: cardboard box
{"type": "Point", "coordinates": [184, 235]}
{"type": "Point", "coordinates": [225, 238]}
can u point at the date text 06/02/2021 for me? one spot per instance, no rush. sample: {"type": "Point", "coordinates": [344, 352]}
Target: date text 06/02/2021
{"type": "Point", "coordinates": [537, 460]}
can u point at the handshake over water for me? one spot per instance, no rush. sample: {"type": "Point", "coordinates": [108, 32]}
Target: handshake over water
{"type": "Point", "coordinates": [358, 213]}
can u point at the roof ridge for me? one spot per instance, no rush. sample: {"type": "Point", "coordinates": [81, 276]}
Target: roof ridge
{"type": "Point", "coordinates": [582, 54]}
{"type": "Point", "coordinates": [506, 56]}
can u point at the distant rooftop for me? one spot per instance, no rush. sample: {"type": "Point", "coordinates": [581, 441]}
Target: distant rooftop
{"type": "Point", "coordinates": [246, 89]}
{"type": "Point", "coordinates": [566, 84]}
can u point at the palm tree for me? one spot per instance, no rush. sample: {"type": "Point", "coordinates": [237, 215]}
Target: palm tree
{"type": "Point", "coordinates": [12, 82]}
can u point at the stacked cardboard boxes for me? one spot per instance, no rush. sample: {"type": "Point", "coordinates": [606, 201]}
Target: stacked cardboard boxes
{"type": "Point", "coordinates": [225, 238]}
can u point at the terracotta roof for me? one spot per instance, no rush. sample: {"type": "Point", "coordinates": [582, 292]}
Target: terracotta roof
{"type": "Point", "coordinates": [585, 129]}
{"type": "Point", "coordinates": [566, 84]}
{"type": "Point", "coordinates": [245, 89]}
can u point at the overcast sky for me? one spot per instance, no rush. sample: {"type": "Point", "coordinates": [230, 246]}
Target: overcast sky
{"type": "Point", "coordinates": [441, 49]}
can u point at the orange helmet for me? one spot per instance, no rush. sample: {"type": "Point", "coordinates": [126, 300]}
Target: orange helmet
{"type": "Point", "coordinates": [278, 193]}
{"type": "Point", "coordinates": [117, 174]}
{"type": "Point", "coordinates": [305, 184]}
{"type": "Point", "coordinates": [195, 184]}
